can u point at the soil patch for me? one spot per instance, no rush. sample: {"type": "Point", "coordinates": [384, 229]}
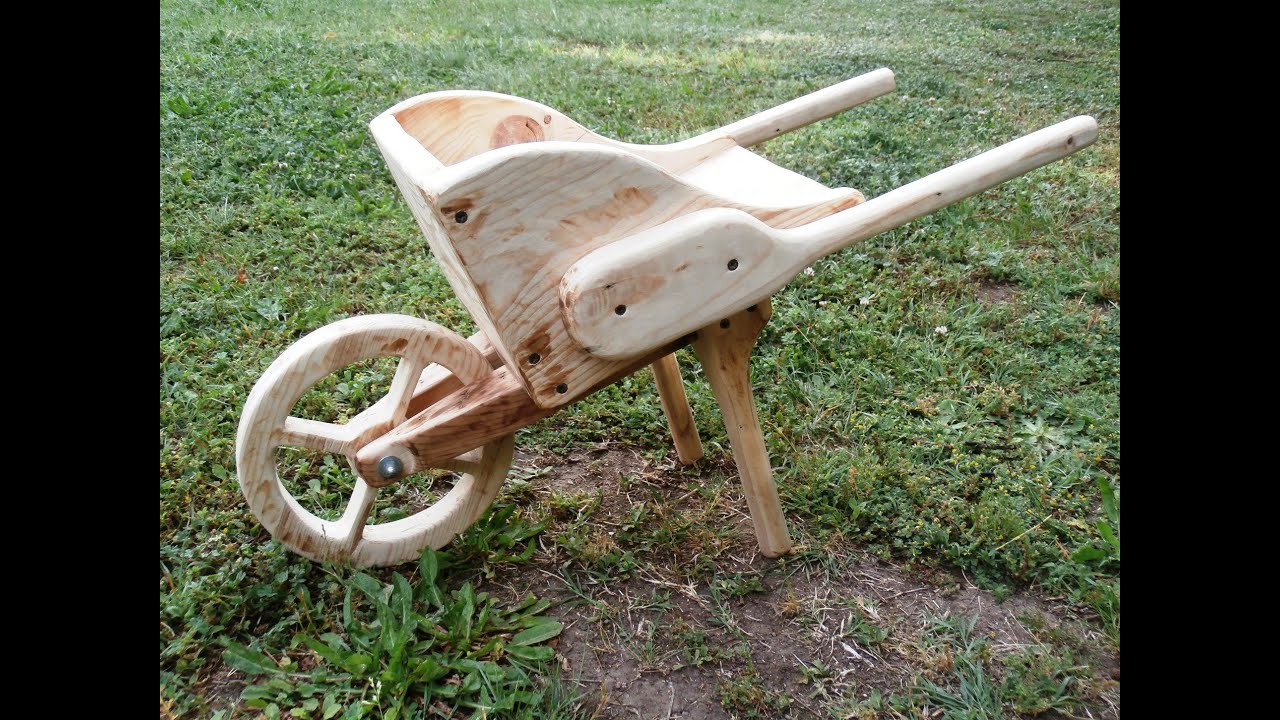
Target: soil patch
{"type": "Point", "coordinates": [770, 637]}
{"type": "Point", "coordinates": [990, 293]}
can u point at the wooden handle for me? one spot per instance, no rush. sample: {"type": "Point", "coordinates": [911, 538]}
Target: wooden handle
{"type": "Point", "coordinates": [660, 284]}
{"type": "Point", "coordinates": [936, 191]}
{"type": "Point", "coordinates": [809, 109]}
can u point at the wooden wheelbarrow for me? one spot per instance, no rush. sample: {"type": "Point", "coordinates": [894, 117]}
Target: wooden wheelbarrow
{"type": "Point", "coordinates": [582, 260]}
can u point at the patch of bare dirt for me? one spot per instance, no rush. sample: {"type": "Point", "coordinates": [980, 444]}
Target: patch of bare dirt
{"type": "Point", "coordinates": [775, 637]}
{"type": "Point", "coordinates": [590, 469]}
{"type": "Point", "coordinates": [993, 293]}
{"type": "Point", "coordinates": [222, 686]}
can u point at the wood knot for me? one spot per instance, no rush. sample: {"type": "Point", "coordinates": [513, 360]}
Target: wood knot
{"type": "Point", "coordinates": [516, 129]}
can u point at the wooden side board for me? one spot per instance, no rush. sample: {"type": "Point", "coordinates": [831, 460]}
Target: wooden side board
{"type": "Point", "coordinates": [457, 125]}
{"type": "Point", "coordinates": [510, 193]}
{"type": "Point", "coordinates": [411, 165]}
{"type": "Point", "coordinates": [520, 216]}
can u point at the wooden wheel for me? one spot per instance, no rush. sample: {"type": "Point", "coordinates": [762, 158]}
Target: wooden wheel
{"type": "Point", "coordinates": [267, 425]}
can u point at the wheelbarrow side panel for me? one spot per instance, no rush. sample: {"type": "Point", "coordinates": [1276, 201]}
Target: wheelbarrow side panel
{"type": "Point", "coordinates": [457, 125]}
{"type": "Point", "coordinates": [514, 237]}
{"type": "Point", "coordinates": [410, 164]}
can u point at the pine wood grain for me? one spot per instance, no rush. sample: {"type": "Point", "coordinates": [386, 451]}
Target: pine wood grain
{"type": "Point", "coordinates": [724, 349]}
{"type": "Point", "coordinates": [266, 424]}
{"type": "Point", "coordinates": [707, 264]}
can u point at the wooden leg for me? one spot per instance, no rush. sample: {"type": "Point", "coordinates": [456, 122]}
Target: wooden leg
{"type": "Point", "coordinates": [724, 350]}
{"type": "Point", "coordinates": [675, 404]}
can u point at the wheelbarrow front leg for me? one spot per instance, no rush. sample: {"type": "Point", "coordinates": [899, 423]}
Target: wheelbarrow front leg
{"type": "Point", "coordinates": [675, 405]}
{"type": "Point", "coordinates": [724, 349]}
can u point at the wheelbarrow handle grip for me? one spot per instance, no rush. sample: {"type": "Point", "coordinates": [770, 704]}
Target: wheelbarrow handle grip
{"type": "Point", "coordinates": [932, 192]}
{"type": "Point", "coordinates": [809, 109]}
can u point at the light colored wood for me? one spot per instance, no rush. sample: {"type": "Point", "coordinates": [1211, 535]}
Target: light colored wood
{"type": "Point", "coordinates": [411, 164]}
{"type": "Point", "coordinates": [510, 193]}
{"type": "Point", "coordinates": [704, 265]}
{"type": "Point", "coordinates": [746, 178]}
{"type": "Point", "coordinates": [581, 259]}
{"type": "Point", "coordinates": [471, 415]}
{"type": "Point", "coordinates": [809, 109]}
{"type": "Point", "coordinates": [675, 405]}
{"type": "Point", "coordinates": [438, 381]}
{"type": "Point", "coordinates": [457, 125]}
{"type": "Point", "coordinates": [724, 349]}
{"type": "Point", "coordinates": [267, 424]}
{"type": "Point", "coordinates": [518, 240]}
{"type": "Point", "coordinates": [479, 412]}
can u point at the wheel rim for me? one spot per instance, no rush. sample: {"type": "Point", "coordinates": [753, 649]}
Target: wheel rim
{"type": "Point", "coordinates": [267, 425]}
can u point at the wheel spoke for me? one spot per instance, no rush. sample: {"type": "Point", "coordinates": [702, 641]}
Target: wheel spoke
{"type": "Point", "coordinates": [467, 463]}
{"type": "Point", "coordinates": [351, 524]}
{"type": "Point", "coordinates": [402, 387]}
{"type": "Point", "coordinates": [315, 435]}
{"type": "Point", "coordinates": [391, 409]}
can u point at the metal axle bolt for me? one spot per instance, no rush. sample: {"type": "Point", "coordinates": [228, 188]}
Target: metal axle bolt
{"type": "Point", "coordinates": [390, 467]}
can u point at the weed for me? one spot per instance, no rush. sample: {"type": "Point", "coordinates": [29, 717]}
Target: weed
{"type": "Point", "coordinates": [747, 695]}
{"type": "Point", "coordinates": [405, 649]}
{"type": "Point", "coordinates": [967, 692]}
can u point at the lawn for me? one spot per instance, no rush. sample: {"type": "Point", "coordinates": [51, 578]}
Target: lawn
{"type": "Point", "coordinates": [941, 403]}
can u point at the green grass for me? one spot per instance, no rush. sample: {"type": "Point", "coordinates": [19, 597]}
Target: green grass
{"type": "Point", "coordinates": [985, 449]}
{"type": "Point", "coordinates": [411, 649]}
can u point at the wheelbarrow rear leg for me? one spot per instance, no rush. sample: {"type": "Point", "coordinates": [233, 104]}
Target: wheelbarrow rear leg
{"type": "Point", "coordinates": [675, 404]}
{"type": "Point", "coordinates": [724, 349]}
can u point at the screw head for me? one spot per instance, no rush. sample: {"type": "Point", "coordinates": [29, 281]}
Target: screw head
{"type": "Point", "coordinates": [460, 217]}
{"type": "Point", "coordinates": [390, 467]}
